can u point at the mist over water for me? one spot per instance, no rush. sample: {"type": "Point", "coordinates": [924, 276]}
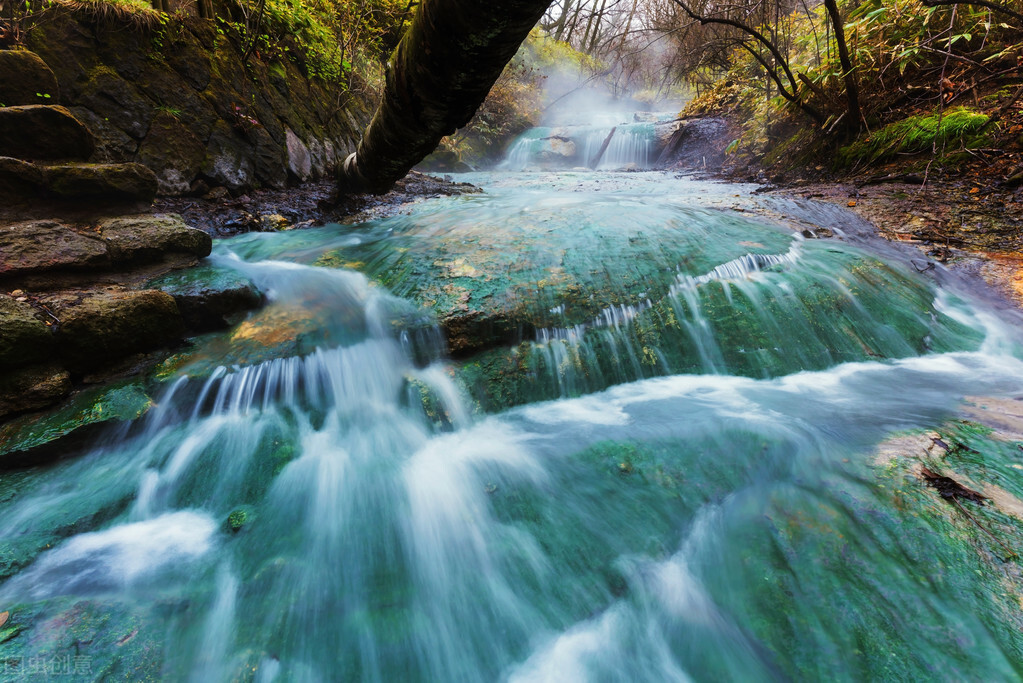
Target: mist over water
{"type": "Point", "coordinates": [692, 494]}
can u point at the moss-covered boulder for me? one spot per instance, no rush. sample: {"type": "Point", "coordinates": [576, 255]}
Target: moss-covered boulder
{"type": "Point", "coordinates": [43, 132]}
{"type": "Point", "coordinates": [38, 246]}
{"type": "Point", "coordinates": [108, 183]}
{"type": "Point", "coordinates": [97, 327]}
{"type": "Point", "coordinates": [181, 99]}
{"type": "Point", "coordinates": [112, 143]}
{"type": "Point", "coordinates": [208, 297]}
{"type": "Point", "coordinates": [32, 388]}
{"type": "Point", "coordinates": [23, 337]}
{"type": "Point", "coordinates": [25, 79]}
{"type": "Point", "coordinates": [148, 238]}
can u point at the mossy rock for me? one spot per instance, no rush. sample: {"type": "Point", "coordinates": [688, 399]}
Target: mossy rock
{"type": "Point", "coordinates": [39, 438]}
{"type": "Point", "coordinates": [148, 238]}
{"type": "Point", "coordinates": [24, 338]}
{"type": "Point", "coordinates": [108, 183]}
{"type": "Point", "coordinates": [33, 387]}
{"type": "Point", "coordinates": [173, 152]}
{"type": "Point", "coordinates": [41, 246]}
{"type": "Point", "coordinates": [209, 298]}
{"type": "Point", "coordinates": [43, 132]}
{"type": "Point", "coordinates": [113, 98]}
{"type": "Point", "coordinates": [20, 181]}
{"type": "Point", "coordinates": [239, 518]}
{"type": "Point", "coordinates": [98, 327]}
{"type": "Point", "coordinates": [25, 79]}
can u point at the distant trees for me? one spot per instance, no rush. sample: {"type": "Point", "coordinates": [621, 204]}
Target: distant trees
{"type": "Point", "coordinates": [695, 40]}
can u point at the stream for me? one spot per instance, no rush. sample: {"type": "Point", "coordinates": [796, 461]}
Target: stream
{"type": "Point", "coordinates": [680, 480]}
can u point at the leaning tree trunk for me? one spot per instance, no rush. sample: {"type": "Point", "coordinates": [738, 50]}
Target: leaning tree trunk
{"type": "Point", "coordinates": [437, 78]}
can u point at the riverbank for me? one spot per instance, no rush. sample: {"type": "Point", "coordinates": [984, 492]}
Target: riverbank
{"type": "Point", "coordinates": [966, 226]}
{"type": "Point", "coordinates": [306, 205]}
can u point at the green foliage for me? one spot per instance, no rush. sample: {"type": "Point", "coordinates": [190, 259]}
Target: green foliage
{"type": "Point", "coordinates": [959, 127]}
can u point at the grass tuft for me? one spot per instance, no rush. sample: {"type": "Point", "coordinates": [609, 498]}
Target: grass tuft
{"type": "Point", "coordinates": [959, 127]}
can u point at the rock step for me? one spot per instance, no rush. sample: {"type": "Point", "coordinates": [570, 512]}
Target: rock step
{"type": "Point", "coordinates": [209, 298]}
{"type": "Point", "coordinates": [46, 246]}
{"type": "Point", "coordinates": [84, 329]}
{"type": "Point", "coordinates": [98, 184]}
{"type": "Point", "coordinates": [44, 133]}
{"type": "Point", "coordinates": [25, 79]}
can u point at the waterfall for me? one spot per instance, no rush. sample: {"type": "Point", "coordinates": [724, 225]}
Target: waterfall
{"type": "Point", "coordinates": [631, 146]}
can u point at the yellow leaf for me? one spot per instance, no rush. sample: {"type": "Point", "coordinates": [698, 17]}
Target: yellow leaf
{"type": "Point", "coordinates": [852, 202]}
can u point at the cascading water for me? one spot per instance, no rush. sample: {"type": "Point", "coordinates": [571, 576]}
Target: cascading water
{"type": "Point", "coordinates": [315, 495]}
{"type": "Point", "coordinates": [629, 145]}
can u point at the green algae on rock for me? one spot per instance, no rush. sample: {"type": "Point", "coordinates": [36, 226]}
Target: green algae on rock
{"type": "Point", "coordinates": [38, 438]}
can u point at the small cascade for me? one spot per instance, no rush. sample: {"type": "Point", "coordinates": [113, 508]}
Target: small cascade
{"type": "Point", "coordinates": [760, 314]}
{"type": "Point", "coordinates": [629, 146]}
{"type": "Point", "coordinates": [744, 267]}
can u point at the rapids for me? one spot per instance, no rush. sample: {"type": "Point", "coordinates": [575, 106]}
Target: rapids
{"type": "Point", "coordinates": [684, 486]}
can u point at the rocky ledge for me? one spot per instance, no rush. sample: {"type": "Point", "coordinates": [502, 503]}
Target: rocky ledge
{"type": "Point", "coordinates": [73, 299]}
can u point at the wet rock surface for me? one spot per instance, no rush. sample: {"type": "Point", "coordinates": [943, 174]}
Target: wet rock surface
{"type": "Point", "coordinates": [209, 298]}
{"type": "Point", "coordinates": [695, 144]}
{"type": "Point", "coordinates": [313, 203]}
{"type": "Point", "coordinates": [31, 439]}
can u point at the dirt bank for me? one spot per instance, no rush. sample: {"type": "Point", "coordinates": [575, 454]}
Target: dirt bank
{"type": "Point", "coordinates": [966, 225]}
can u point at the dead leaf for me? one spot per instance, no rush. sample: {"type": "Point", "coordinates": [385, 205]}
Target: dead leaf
{"type": "Point", "coordinates": [4, 616]}
{"type": "Point", "coordinates": [949, 488]}
{"type": "Point", "coordinates": [852, 202]}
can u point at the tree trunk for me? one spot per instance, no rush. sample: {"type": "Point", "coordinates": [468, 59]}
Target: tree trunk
{"type": "Point", "coordinates": [559, 30]}
{"type": "Point", "coordinates": [852, 91]}
{"type": "Point", "coordinates": [437, 78]}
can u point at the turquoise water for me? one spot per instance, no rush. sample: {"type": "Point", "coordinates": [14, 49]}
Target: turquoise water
{"type": "Point", "coordinates": [684, 485]}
